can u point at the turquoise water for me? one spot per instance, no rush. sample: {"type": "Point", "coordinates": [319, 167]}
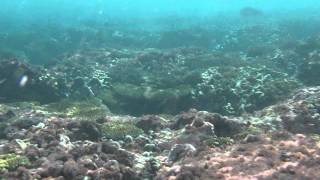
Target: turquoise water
{"type": "Point", "coordinates": [67, 11]}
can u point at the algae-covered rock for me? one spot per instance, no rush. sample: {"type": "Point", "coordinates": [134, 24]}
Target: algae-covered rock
{"type": "Point", "coordinates": [25, 123]}
{"type": "Point", "coordinates": [90, 129]}
{"type": "Point", "coordinates": [251, 130]}
{"type": "Point", "coordinates": [119, 130]}
{"type": "Point", "coordinates": [299, 114]}
{"type": "Point", "coordinates": [129, 91]}
{"type": "Point", "coordinates": [90, 109]}
{"type": "Point", "coordinates": [125, 98]}
{"type": "Point", "coordinates": [150, 122]}
{"type": "Point", "coordinates": [196, 132]}
{"type": "Point", "coordinates": [12, 161]}
{"type": "Point", "coordinates": [179, 151]}
{"type": "Point", "coordinates": [219, 141]}
{"type": "Point", "coordinates": [107, 97]}
{"type": "Point", "coordinates": [143, 99]}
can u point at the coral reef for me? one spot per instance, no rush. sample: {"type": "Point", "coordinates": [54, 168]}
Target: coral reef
{"type": "Point", "coordinates": [45, 143]}
{"type": "Point", "coordinates": [241, 89]}
{"type": "Point", "coordinates": [236, 99]}
{"type": "Point", "coordinates": [155, 81]}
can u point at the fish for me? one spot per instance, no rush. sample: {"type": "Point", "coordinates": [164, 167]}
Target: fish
{"type": "Point", "coordinates": [3, 80]}
{"type": "Point", "coordinates": [250, 12]}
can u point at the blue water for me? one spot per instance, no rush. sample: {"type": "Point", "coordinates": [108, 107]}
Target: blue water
{"type": "Point", "coordinates": [68, 11]}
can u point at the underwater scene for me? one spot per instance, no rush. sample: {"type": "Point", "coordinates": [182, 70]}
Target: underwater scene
{"type": "Point", "coordinates": [159, 89]}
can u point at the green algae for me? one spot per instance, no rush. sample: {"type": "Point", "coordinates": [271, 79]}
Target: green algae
{"type": "Point", "coordinates": [118, 130]}
{"type": "Point", "coordinates": [250, 130]}
{"type": "Point", "coordinates": [90, 109]}
{"type": "Point", "coordinates": [23, 144]}
{"type": "Point", "coordinates": [216, 141]}
{"type": "Point", "coordinates": [129, 91]}
{"type": "Point", "coordinates": [12, 161]}
{"type": "Point", "coordinates": [107, 97]}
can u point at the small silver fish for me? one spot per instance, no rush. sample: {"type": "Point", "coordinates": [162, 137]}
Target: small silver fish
{"type": "Point", "coordinates": [3, 80]}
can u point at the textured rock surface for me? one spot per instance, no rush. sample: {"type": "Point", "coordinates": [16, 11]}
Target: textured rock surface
{"type": "Point", "coordinates": [193, 144]}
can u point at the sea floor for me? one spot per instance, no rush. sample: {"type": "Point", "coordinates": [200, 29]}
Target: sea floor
{"type": "Point", "coordinates": [278, 142]}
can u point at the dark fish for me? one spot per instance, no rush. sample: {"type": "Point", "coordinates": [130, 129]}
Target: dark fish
{"type": "Point", "coordinates": [250, 12]}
